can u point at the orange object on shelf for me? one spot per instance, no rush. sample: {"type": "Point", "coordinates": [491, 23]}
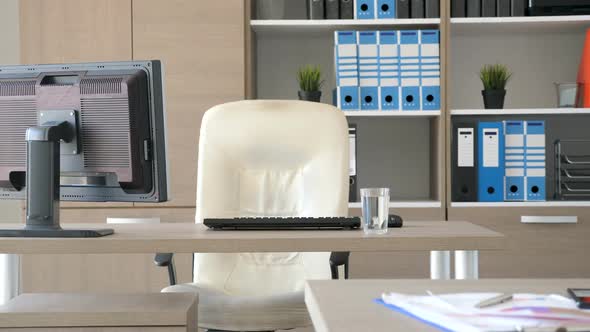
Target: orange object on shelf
{"type": "Point", "coordinates": [583, 93]}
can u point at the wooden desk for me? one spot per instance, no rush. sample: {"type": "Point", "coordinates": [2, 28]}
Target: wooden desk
{"type": "Point", "coordinates": [190, 237]}
{"type": "Point", "coordinates": [100, 312]}
{"type": "Point", "coordinates": [343, 306]}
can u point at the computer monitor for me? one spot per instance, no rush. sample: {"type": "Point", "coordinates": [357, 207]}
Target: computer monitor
{"type": "Point", "coordinates": [80, 132]}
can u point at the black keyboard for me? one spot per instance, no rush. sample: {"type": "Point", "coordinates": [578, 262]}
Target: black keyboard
{"type": "Point", "coordinates": [288, 223]}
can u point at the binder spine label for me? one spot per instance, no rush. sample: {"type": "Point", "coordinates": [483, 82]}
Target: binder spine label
{"type": "Point", "coordinates": [364, 9]}
{"type": "Point", "coordinates": [368, 55]}
{"type": "Point", "coordinates": [465, 147]}
{"type": "Point", "coordinates": [430, 69]}
{"type": "Point", "coordinates": [514, 180]}
{"type": "Point", "coordinates": [389, 94]}
{"type": "Point", "coordinates": [490, 162]}
{"type": "Point", "coordinates": [347, 73]}
{"type": "Point", "coordinates": [535, 161]}
{"type": "Point", "coordinates": [386, 9]}
{"type": "Point", "coordinates": [410, 70]}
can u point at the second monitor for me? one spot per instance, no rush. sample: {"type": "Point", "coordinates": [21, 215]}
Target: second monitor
{"type": "Point", "coordinates": [80, 132]}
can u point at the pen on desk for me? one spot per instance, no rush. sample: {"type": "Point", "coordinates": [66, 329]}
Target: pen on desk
{"type": "Point", "coordinates": [494, 301]}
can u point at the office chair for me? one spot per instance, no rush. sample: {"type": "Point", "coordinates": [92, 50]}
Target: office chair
{"type": "Point", "coordinates": [265, 158]}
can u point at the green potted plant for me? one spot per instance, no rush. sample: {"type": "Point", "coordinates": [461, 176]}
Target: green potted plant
{"type": "Point", "coordinates": [494, 79]}
{"type": "Point", "coordinates": [310, 83]}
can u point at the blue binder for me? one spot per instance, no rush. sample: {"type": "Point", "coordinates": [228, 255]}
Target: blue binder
{"type": "Point", "coordinates": [386, 9]}
{"type": "Point", "coordinates": [514, 161]}
{"type": "Point", "coordinates": [347, 79]}
{"type": "Point", "coordinates": [410, 70]}
{"type": "Point", "coordinates": [389, 70]}
{"type": "Point", "coordinates": [490, 162]}
{"type": "Point", "coordinates": [430, 70]}
{"type": "Point", "coordinates": [368, 62]}
{"type": "Point", "coordinates": [364, 9]}
{"type": "Point", "coordinates": [535, 161]}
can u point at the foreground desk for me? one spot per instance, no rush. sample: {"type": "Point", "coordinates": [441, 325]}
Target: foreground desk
{"type": "Point", "coordinates": [343, 306]}
{"type": "Point", "coordinates": [100, 312]}
{"type": "Point", "coordinates": [190, 237]}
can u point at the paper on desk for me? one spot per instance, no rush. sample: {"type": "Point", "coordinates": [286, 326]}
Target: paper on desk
{"type": "Point", "coordinates": [457, 312]}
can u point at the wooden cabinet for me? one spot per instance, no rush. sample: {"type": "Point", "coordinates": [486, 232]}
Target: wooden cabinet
{"type": "Point", "coordinates": [533, 250]}
{"type": "Point", "coordinates": [201, 44]}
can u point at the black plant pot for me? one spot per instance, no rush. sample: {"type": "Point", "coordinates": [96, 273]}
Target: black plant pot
{"type": "Point", "coordinates": [310, 96]}
{"type": "Point", "coordinates": [493, 99]}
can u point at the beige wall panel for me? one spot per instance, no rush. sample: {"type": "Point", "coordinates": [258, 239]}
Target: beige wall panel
{"type": "Point", "coordinates": [105, 273]}
{"type": "Point", "coordinates": [533, 250]}
{"type": "Point", "coordinates": [10, 210]}
{"type": "Point", "coordinates": [202, 46]}
{"type": "Point", "coordinates": [75, 30]}
{"type": "Point", "coordinates": [58, 31]}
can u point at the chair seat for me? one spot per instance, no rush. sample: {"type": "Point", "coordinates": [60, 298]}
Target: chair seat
{"type": "Point", "coordinates": [218, 310]}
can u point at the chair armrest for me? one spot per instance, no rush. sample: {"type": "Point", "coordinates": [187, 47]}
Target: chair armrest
{"type": "Point", "coordinates": [338, 259]}
{"type": "Point", "coordinates": [165, 260]}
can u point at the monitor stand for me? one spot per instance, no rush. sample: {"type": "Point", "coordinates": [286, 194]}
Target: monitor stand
{"type": "Point", "coordinates": [42, 183]}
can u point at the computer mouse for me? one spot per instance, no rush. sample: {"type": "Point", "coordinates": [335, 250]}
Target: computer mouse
{"type": "Point", "coordinates": [395, 221]}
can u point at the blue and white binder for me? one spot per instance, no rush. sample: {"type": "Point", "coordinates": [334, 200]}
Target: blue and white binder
{"type": "Point", "coordinates": [347, 79]}
{"type": "Point", "coordinates": [430, 70]}
{"type": "Point", "coordinates": [514, 180]}
{"type": "Point", "coordinates": [409, 51]}
{"type": "Point", "coordinates": [365, 9]}
{"type": "Point", "coordinates": [368, 64]}
{"type": "Point", "coordinates": [535, 161]}
{"type": "Point", "coordinates": [386, 9]}
{"type": "Point", "coordinates": [389, 93]}
{"type": "Point", "coordinates": [490, 162]}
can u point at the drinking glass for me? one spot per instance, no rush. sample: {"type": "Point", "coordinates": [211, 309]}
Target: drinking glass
{"type": "Point", "coordinates": [375, 206]}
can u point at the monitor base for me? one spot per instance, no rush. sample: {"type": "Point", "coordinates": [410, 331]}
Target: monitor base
{"type": "Point", "coordinates": [70, 233]}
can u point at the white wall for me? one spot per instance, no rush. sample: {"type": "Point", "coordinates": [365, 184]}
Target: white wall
{"type": "Point", "coordinates": [10, 211]}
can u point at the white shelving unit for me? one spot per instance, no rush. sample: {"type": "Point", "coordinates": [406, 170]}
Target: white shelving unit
{"type": "Point", "coordinates": [532, 24]}
{"type": "Point", "coordinates": [522, 111]}
{"type": "Point", "coordinates": [521, 204]}
{"type": "Point", "coordinates": [404, 204]}
{"type": "Point", "coordinates": [393, 113]}
{"type": "Point", "coordinates": [323, 26]}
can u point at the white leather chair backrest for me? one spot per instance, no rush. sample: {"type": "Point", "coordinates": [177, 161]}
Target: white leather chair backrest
{"type": "Point", "coordinates": [269, 158]}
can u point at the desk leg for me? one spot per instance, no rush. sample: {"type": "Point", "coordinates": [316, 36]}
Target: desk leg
{"type": "Point", "coordinates": [9, 277]}
{"type": "Point", "coordinates": [466, 264]}
{"type": "Point", "coordinates": [440, 265]}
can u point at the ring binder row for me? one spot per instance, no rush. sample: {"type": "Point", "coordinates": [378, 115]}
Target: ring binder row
{"type": "Point", "coordinates": [572, 169]}
{"type": "Point", "coordinates": [488, 8]}
{"type": "Point", "coordinates": [372, 9]}
{"type": "Point", "coordinates": [383, 9]}
{"type": "Point", "coordinates": [499, 161]}
{"type": "Point", "coordinates": [387, 70]}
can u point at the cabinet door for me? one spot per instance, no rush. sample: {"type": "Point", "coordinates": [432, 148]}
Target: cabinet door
{"type": "Point", "coordinates": [202, 47]}
{"type": "Point", "coordinates": [533, 250]}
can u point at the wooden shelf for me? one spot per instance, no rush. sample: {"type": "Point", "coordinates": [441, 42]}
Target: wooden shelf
{"type": "Point", "coordinates": [393, 113]}
{"type": "Point", "coordinates": [322, 26]}
{"type": "Point", "coordinates": [405, 204]}
{"type": "Point", "coordinates": [521, 204]}
{"type": "Point", "coordinates": [529, 24]}
{"type": "Point", "coordinates": [522, 111]}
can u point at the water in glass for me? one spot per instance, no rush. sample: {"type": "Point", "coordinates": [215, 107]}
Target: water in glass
{"type": "Point", "coordinates": [375, 203]}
